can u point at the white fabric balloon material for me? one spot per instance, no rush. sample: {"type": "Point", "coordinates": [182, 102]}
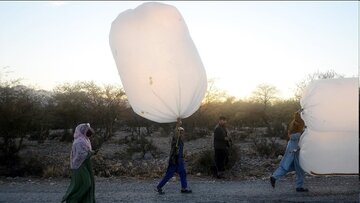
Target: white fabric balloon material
{"type": "Point", "coordinates": [158, 63]}
{"type": "Point", "coordinates": [330, 143]}
{"type": "Point", "coordinates": [331, 105]}
{"type": "Point", "coordinates": [329, 152]}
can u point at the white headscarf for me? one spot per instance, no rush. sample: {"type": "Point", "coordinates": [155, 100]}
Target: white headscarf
{"type": "Point", "coordinates": [81, 145]}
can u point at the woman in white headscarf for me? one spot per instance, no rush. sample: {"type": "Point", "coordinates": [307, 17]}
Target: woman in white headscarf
{"type": "Point", "coordinates": [82, 185]}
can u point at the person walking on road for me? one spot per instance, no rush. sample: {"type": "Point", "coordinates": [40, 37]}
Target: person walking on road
{"type": "Point", "coordinates": [82, 185]}
{"type": "Point", "coordinates": [176, 163]}
{"type": "Point", "coordinates": [290, 161]}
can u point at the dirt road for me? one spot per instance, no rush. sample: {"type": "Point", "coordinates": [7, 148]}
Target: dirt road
{"type": "Point", "coordinates": [322, 189]}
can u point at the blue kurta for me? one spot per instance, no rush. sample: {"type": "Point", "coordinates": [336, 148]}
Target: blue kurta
{"type": "Point", "coordinates": [290, 161]}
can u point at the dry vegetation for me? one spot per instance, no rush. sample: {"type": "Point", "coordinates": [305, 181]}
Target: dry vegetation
{"type": "Point", "coordinates": [130, 145]}
{"type": "Point", "coordinates": [147, 156]}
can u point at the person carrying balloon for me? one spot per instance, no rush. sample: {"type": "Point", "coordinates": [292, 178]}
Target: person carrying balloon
{"type": "Point", "coordinates": [290, 161]}
{"type": "Point", "coordinates": [176, 163]}
{"type": "Point", "coordinates": [82, 185]}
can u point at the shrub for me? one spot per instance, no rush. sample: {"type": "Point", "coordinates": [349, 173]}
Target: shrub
{"type": "Point", "coordinates": [196, 134]}
{"type": "Point", "coordinates": [234, 156]}
{"type": "Point", "coordinates": [267, 147]}
{"type": "Point", "coordinates": [55, 171]}
{"type": "Point", "coordinates": [239, 135]}
{"type": "Point", "coordinates": [67, 136]}
{"type": "Point", "coordinates": [138, 145]}
{"type": "Point", "coordinates": [34, 167]}
{"type": "Point", "coordinates": [100, 166]}
{"type": "Point", "coordinates": [205, 163]}
{"type": "Point", "coordinates": [30, 167]}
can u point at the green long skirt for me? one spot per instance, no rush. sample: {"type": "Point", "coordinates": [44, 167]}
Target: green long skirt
{"type": "Point", "coordinates": [82, 185]}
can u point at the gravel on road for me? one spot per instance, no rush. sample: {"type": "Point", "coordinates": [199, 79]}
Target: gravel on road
{"type": "Point", "coordinates": [322, 189]}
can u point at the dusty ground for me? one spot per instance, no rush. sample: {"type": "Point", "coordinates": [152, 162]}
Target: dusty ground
{"type": "Point", "coordinates": [322, 189]}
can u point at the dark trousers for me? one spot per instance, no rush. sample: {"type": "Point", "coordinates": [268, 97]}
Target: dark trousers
{"type": "Point", "coordinates": [221, 159]}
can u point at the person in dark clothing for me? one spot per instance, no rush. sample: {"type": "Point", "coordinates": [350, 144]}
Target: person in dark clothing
{"type": "Point", "coordinates": [222, 143]}
{"type": "Point", "coordinates": [176, 163]}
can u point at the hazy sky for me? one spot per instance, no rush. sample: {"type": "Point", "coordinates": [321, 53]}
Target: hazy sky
{"type": "Point", "coordinates": [242, 44]}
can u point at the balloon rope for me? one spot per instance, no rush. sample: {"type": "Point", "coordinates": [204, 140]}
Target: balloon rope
{"type": "Point", "coordinates": [178, 124]}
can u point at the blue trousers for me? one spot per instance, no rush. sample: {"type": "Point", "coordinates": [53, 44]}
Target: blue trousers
{"type": "Point", "coordinates": [295, 166]}
{"type": "Point", "coordinates": [172, 168]}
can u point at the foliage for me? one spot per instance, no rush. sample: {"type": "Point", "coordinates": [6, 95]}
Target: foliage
{"type": "Point", "coordinates": [204, 161]}
{"type": "Point", "coordinates": [213, 93]}
{"type": "Point", "coordinates": [265, 94]}
{"type": "Point", "coordinates": [137, 124]}
{"type": "Point", "coordinates": [87, 102]}
{"type": "Point", "coordinates": [26, 113]}
{"type": "Point", "coordinates": [234, 156]}
{"type": "Point", "coordinates": [267, 147]}
{"type": "Point", "coordinates": [138, 144]}
{"type": "Point", "coordinates": [197, 133]}
{"type": "Point", "coordinates": [20, 114]}
{"type": "Point", "coordinates": [55, 171]}
{"type": "Point", "coordinates": [141, 144]}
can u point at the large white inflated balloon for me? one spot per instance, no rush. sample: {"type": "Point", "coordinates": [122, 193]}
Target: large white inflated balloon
{"type": "Point", "coordinates": [331, 105]}
{"type": "Point", "coordinates": [158, 63]}
{"type": "Point", "coordinates": [329, 152]}
{"type": "Point", "coordinates": [330, 143]}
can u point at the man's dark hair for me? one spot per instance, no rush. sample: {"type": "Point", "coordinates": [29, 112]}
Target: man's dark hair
{"type": "Point", "coordinates": [222, 118]}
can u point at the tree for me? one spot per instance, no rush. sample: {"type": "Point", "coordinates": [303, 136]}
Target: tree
{"type": "Point", "coordinates": [207, 113]}
{"type": "Point", "coordinates": [246, 114]}
{"type": "Point", "coordinates": [87, 102]}
{"type": "Point", "coordinates": [71, 106]}
{"type": "Point", "coordinates": [113, 106]}
{"type": "Point", "coordinates": [19, 116]}
{"type": "Point", "coordinates": [213, 93]}
{"type": "Point", "coordinates": [281, 114]}
{"type": "Point", "coordinates": [265, 94]}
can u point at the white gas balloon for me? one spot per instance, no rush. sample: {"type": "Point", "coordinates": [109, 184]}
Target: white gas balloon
{"type": "Point", "coordinates": [158, 63]}
{"type": "Point", "coordinates": [330, 143]}
{"type": "Point", "coordinates": [331, 105]}
{"type": "Point", "coordinates": [329, 152]}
